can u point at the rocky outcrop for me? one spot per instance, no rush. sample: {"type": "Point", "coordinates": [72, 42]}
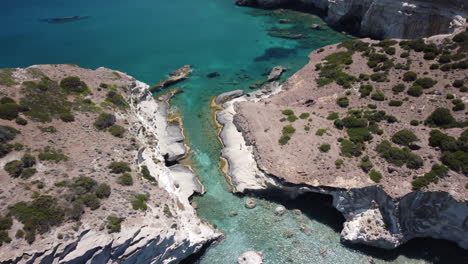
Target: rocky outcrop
{"type": "Point", "coordinates": [372, 217]}
{"type": "Point", "coordinates": [384, 18]}
{"type": "Point", "coordinates": [251, 257]}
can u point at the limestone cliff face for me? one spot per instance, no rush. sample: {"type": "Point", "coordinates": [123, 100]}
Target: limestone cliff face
{"type": "Point", "coordinates": [385, 18]}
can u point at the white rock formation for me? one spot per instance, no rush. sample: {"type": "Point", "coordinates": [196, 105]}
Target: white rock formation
{"type": "Point", "coordinates": [251, 257]}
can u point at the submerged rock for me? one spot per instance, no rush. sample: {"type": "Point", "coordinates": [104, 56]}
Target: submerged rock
{"type": "Point", "coordinates": [222, 98]}
{"type": "Point", "coordinates": [280, 210]}
{"type": "Point", "coordinates": [275, 73]}
{"type": "Point", "coordinates": [315, 26]}
{"type": "Point", "coordinates": [213, 75]}
{"type": "Point", "coordinates": [251, 257]}
{"type": "Point", "coordinates": [250, 203]}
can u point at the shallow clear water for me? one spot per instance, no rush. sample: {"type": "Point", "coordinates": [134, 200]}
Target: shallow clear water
{"type": "Point", "coordinates": [148, 39]}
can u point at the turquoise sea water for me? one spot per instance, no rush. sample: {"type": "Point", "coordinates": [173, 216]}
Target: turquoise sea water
{"type": "Point", "coordinates": [149, 38]}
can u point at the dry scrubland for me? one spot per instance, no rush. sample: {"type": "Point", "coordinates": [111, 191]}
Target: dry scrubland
{"type": "Point", "coordinates": [369, 112]}
{"type": "Point", "coordinates": [67, 150]}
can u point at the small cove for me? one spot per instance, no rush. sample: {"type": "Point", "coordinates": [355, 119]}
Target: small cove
{"type": "Point", "coordinates": [147, 39]}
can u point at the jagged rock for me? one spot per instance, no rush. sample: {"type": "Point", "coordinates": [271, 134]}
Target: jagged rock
{"type": "Point", "coordinates": [315, 26]}
{"type": "Point", "coordinates": [250, 203]}
{"type": "Point", "coordinates": [280, 210]}
{"type": "Point", "coordinates": [222, 98]}
{"type": "Point", "coordinates": [174, 77]}
{"type": "Point", "coordinates": [275, 73]}
{"type": "Point", "coordinates": [251, 257]}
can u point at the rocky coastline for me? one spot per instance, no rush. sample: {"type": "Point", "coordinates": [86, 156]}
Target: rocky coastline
{"type": "Point", "coordinates": [149, 238]}
{"type": "Point", "coordinates": [372, 216]}
{"type": "Point", "coordinates": [381, 19]}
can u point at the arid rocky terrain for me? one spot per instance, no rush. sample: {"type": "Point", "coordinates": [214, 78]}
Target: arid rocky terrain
{"type": "Point", "coordinates": [379, 125]}
{"type": "Point", "coordinates": [83, 171]}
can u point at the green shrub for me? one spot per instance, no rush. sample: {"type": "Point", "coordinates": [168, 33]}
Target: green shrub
{"type": "Point", "coordinates": [125, 179]}
{"type": "Point", "coordinates": [320, 132]}
{"type": "Point", "coordinates": [38, 216]}
{"type": "Point", "coordinates": [441, 117]}
{"type": "Point", "coordinates": [104, 120]}
{"type": "Point", "coordinates": [414, 122]}
{"type": "Point", "coordinates": [414, 161]}
{"type": "Point", "coordinates": [429, 56]}
{"type": "Point", "coordinates": [378, 96]}
{"type": "Point", "coordinates": [365, 90]}
{"type": "Point", "coordinates": [364, 77]}
{"type": "Point", "coordinates": [404, 55]}
{"type": "Point", "coordinates": [458, 83]}
{"type": "Point", "coordinates": [67, 117]}
{"type": "Point", "coordinates": [379, 77]}
{"type": "Point", "coordinates": [116, 99]}
{"type": "Point", "coordinates": [415, 91]}
{"type": "Point", "coordinates": [117, 131]}
{"type": "Point", "coordinates": [375, 176]}
{"type": "Point", "coordinates": [119, 167]}
{"type": "Point", "coordinates": [390, 50]}
{"type": "Point", "coordinates": [288, 130]}
{"type": "Point", "coordinates": [445, 58]}
{"type": "Point", "coordinates": [48, 129]}
{"type": "Point", "coordinates": [359, 134]}
{"type": "Point", "coordinates": [73, 84]}
{"type": "Point", "coordinates": [21, 121]}
{"type": "Point", "coordinates": [391, 154]}
{"type": "Point", "coordinates": [9, 111]}
{"type": "Point", "coordinates": [398, 88]}
{"type": "Point", "coordinates": [404, 137]}
{"type": "Point", "coordinates": [307, 128]}
{"type": "Point", "coordinates": [19, 233]}
{"type": "Point", "coordinates": [437, 171]}
{"type": "Point", "coordinates": [443, 141]}
{"type": "Point", "coordinates": [90, 200]}
{"type": "Point", "coordinates": [103, 191]}
{"type": "Point", "coordinates": [456, 161]}
{"type": "Point", "coordinates": [461, 37]}
{"type": "Point", "coordinates": [446, 67]}
{"type": "Point", "coordinates": [343, 102]}
{"type": "Point", "coordinates": [147, 174]}
{"type": "Point", "coordinates": [50, 154]}
{"type": "Point", "coordinates": [353, 122]}
{"type": "Point", "coordinates": [113, 224]}
{"type": "Point", "coordinates": [349, 148]}
{"type": "Point", "coordinates": [14, 168]}
{"type": "Point", "coordinates": [82, 185]}
{"type": "Point", "coordinates": [333, 116]}
{"type": "Point", "coordinates": [395, 103]}
{"type": "Point", "coordinates": [372, 106]}
{"type": "Point", "coordinates": [7, 100]}
{"type": "Point", "coordinates": [284, 139]}
{"type": "Point", "coordinates": [28, 160]}
{"type": "Point", "coordinates": [304, 116]}
{"type": "Point", "coordinates": [139, 202]}
{"type": "Point", "coordinates": [366, 165]}
{"type": "Point", "coordinates": [76, 210]}
{"type": "Point", "coordinates": [425, 82]}
{"type": "Point", "coordinates": [324, 147]}
{"type": "Point", "coordinates": [28, 173]}
{"type": "Point", "coordinates": [339, 163]}
{"type": "Point", "coordinates": [287, 112]}
{"type": "Point", "coordinates": [459, 107]}
{"type": "Point", "coordinates": [449, 96]}
{"type": "Point", "coordinates": [291, 118]}
{"type": "Point", "coordinates": [434, 66]}
{"type": "Point", "coordinates": [4, 238]}
{"type": "Point", "coordinates": [410, 76]}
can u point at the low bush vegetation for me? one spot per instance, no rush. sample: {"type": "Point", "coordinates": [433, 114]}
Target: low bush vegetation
{"type": "Point", "coordinates": [51, 154]}
{"type": "Point", "coordinates": [398, 88]}
{"type": "Point", "coordinates": [375, 176]}
{"type": "Point", "coordinates": [441, 117]}
{"type": "Point", "coordinates": [73, 84]}
{"type": "Point", "coordinates": [118, 167]}
{"type": "Point", "coordinates": [114, 224]}
{"type": "Point", "coordinates": [14, 168]}
{"type": "Point", "coordinates": [399, 157]}
{"type": "Point", "coordinates": [365, 90]}
{"type": "Point", "coordinates": [104, 121]}
{"type": "Point", "coordinates": [343, 102]}
{"type": "Point", "coordinates": [378, 96]}
{"type": "Point", "coordinates": [350, 149]}
{"type": "Point", "coordinates": [333, 116]}
{"type": "Point", "coordinates": [304, 116]}
{"type": "Point", "coordinates": [125, 179]}
{"type": "Point", "coordinates": [395, 103]}
{"type": "Point", "coordinates": [404, 137]}
{"type": "Point", "coordinates": [103, 191]}
{"type": "Point", "coordinates": [147, 174]}
{"type": "Point", "coordinates": [415, 91]}
{"type": "Point", "coordinates": [117, 100]}
{"type": "Point", "coordinates": [139, 202]}
{"type": "Point", "coordinates": [410, 76]}
{"type": "Point", "coordinates": [437, 171]}
{"type": "Point", "coordinates": [366, 164]}
{"type": "Point", "coordinates": [324, 147]}
{"type": "Point", "coordinates": [425, 82]}
{"type": "Point", "coordinates": [117, 131]}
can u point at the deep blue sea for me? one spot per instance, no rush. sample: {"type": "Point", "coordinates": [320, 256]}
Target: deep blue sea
{"type": "Point", "coordinates": [150, 38]}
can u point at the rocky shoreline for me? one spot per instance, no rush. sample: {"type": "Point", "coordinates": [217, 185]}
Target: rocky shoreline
{"type": "Point", "coordinates": [381, 19]}
{"type": "Point", "coordinates": [372, 216]}
{"type": "Point", "coordinates": [150, 239]}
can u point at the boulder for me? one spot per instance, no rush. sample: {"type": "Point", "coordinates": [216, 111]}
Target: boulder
{"type": "Point", "coordinates": [315, 26]}
{"type": "Point", "coordinates": [250, 203]}
{"type": "Point", "coordinates": [251, 257]}
{"type": "Point", "coordinates": [280, 210]}
{"type": "Point", "coordinates": [284, 21]}
{"type": "Point", "coordinates": [222, 98]}
{"type": "Point", "coordinates": [275, 73]}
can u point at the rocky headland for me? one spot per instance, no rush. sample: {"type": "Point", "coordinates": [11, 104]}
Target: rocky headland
{"type": "Point", "coordinates": [381, 18]}
{"type": "Point", "coordinates": [378, 125]}
{"type": "Point", "coordinates": [90, 171]}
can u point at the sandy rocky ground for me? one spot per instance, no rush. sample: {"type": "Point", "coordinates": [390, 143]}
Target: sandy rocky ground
{"type": "Point", "coordinates": [166, 232]}
{"type": "Point", "coordinates": [384, 214]}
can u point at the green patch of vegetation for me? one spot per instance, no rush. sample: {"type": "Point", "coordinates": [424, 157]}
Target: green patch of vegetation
{"type": "Point", "coordinates": [375, 176]}
{"type": "Point", "coordinates": [21, 121]}
{"type": "Point", "coordinates": [366, 164]}
{"type": "Point", "coordinates": [287, 112]}
{"type": "Point", "coordinates": [5, 224]}
{"type": "Point", "coordinates": [287, 133]}
{"type": "Point", "coordinates": [146, 174]}
{"type": "Point", "coordinates": [51, 154]}
{"type": "Point", "coordinates": [125, 179]}
{"type": "Point", "coordinates": [104, 121]}
{"type": "Point", "coordinates": [365, 90]}
{"type": "Point", "coordinates": [91, 200]}
{"type": "Point", "coordinates": [118, 167]}
{"type": "Point", "coordinates": [139, 202]}
{"type": "Point", "coordinates": [74, 84]}
{"type": "Point", "coordinates": [355, 45]}
{"type": "Point", "coordinates": [117, 131]}
{"type": "Point", "coordinates": [395, 103]}
{"type": "Point", "coordinates": [437, 171]}
{"type": "Point", "coordinates": [441, 117]}
{"type": "Point", "coordinates": [434, 66]}
{"type": "Point", "coordinates": [343, 102]}
{"type": "Point", "coordinates": [350, 149]}
{"type": "Point", "coordinates": [28, 160]}
{"type": "Point", "coordinates": [332, 71]}
{"type": "Point", "coordinates": [410, 76]}
{"type": "Point", "coordinates": [6, 77]}
{"type": "Point", "coordinates": [9, 111]}
{"type": "Point", "coordinates": [379, 77]}
{"type": "Point", "coordinates": [103, 191]}
{"type": "Point", "coordinates": [167, 211]}
{"type": "Point", "coordinates": [304, 116]}
{"type": "Point", "coordinates": [114, 224]}
{"type": "Point", "coordinates": [454, 151]}
{"type": "Point", "coordinates": [291, 118]}
{"type": "Point", "coordinates": [398, 88]}
{"type": "Point", "coordinates": [458, 83]}
{"type": "Point", "coordinates": [359, 134]}
{"type": "Point", "coordinates": [415, 91]}
{"type": "Point", "coordinates": [49, 129]}
{"type": "Point", "coordinates": [324, 147]}
{"type": "Point", "coordinates": [44, 100]}
{"type": "Point", "coordinates": [28, 173]}
{"type": "Point", "coordinates": [117, 100]}
{"type": "Point", "coordinates": [339, 163]}
{"type": "Point", "coordinates": [414, 122]}
{"type": "Point", "coordinates": [307, 128]}
{"type": "Point", "coordinates": [333, 116]}
{"type": "Point", "coordinates": [458, 105]}
{"type": "Point", "coordinates": [425, 82]}
{"type": "Point", "coordinates": [320, 132]}
{"type": "Point", "coordinates": [378, 96]}
{"type": "Point", "coordinates": [14, 168]}
{"type": "Point", "coordinates": [67, 117]}
{"type": "Point", "coordinates": [37, 216]}
{"type": "Point", "coordinates": [399, 157]}
{"type": "Point", "coordinates": [404, 137]}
